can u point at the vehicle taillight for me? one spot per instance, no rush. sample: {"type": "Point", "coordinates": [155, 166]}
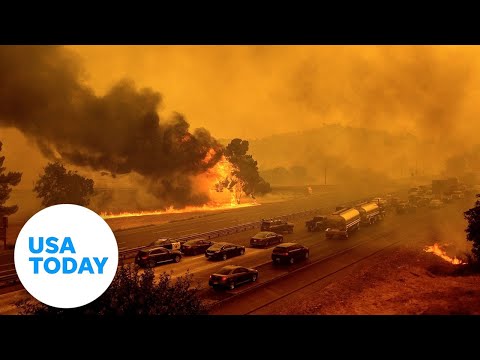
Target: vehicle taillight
{"type": "Point", "coordinates": [144, 257]}
{"type": "Point", "coordinates": [224, 278]}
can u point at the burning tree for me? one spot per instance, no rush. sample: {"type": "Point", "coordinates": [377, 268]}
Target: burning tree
{"type": "Point", "coordinates": [243, 177]}
{"type": "Point", "coordinates": [473, 228]}
{"type": "Point", "coordinates": [57, 186]}
{"type": "Point", "coordinates": [7, 180]}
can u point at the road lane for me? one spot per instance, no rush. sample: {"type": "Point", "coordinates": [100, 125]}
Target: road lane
{"type": "Point", "coordinates": [129, 238]}
{"type": "Point", "coordinates": [274, 288]}
{"type": "Point", "coordinates": [326, 201]}
{"type": "Point", "coordinates": [320, 248]}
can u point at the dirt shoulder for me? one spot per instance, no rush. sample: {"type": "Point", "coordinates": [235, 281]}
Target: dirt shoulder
{"type": "Point", "coordinates": [402, 280]}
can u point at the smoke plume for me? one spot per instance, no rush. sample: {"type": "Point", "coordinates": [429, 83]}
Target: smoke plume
{"type": "Point", "coordinates": [43, 94]}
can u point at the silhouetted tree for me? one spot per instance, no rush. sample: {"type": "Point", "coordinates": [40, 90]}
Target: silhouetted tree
{"type": "Point", "coordinates": [473, 228]}
{"type": "Point", "coordinates": [7, 180]}
{"type": "Point", "coordinates": [246, 169]}
{"type": "Point", "coordinates": [57, 186]}
{"type": "Point", "coordinates": [132, 292]}
{"type": "Point", "coordinates": [298, 172]}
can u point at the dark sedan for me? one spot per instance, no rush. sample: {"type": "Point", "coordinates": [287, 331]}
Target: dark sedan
{"type": "Point", "coordinates": [289, 253]}
{"type": "Point", "coordinates": [230, 276]}
{"type": "Point", "coordinates": [196, 246]}
{"type": "Point", "coordinates": [224, 250]}
{"type": "Point", "coordinates": [151, 256]}
{"type": "Point", "coordinates": [266, 238]}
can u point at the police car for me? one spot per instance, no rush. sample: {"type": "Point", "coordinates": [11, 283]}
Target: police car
{"type": "Point", "coordinates": [169, 244]}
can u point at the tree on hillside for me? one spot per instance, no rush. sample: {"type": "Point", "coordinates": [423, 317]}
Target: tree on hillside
{"type": "Point", "coordinates": [7, 181]}
{"type": "Point", "coordinates": [132, 292]}
{"type": "Point", "coordinates": [57, 186]}
{"type": "Point", "coordinates": [473, 228]}
{"type": "Point", "coordinates": [245, 174]}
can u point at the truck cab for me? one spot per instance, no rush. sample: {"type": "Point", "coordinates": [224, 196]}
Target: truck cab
{"type": "Point", "coordinates": [316, 224]}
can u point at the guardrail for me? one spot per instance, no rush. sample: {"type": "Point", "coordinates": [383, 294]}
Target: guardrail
{"type": "Point", "coordinates": [10, 279]}
{"type": "Point", "coordinates": [128, 253]}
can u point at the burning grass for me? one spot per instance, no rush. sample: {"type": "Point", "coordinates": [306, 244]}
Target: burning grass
{"type": "Point", "coordinates": [437, 250]}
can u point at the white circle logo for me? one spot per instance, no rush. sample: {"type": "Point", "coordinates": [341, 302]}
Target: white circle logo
{"type": "Point", "coordinates": [66, 256]}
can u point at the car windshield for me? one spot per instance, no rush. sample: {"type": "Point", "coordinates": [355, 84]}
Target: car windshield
{"type": "Point", "coordinates": [193, 242]}
{"type": "Point", "coordinates": [280, 250]}
{"type": "Point", "coordinates": [224, 271]}
{"type": "Point", "coordinates": [261, 235]}
{"type": "Point", "coordinates": [216, 246]}
{"type": "Point", "coordinates": [160, 242]}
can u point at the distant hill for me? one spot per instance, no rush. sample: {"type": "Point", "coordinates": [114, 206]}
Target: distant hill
{"type": "Point", "coordinates": [357, 153]}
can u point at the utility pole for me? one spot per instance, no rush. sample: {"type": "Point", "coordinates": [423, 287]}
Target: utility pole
{"type": "Point", "coordinates": [325, 175]}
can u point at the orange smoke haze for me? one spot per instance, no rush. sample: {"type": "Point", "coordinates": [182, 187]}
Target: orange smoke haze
{"type": "Point", "coordinates": [257, 91]}
{"type": "Point", "coordinates": [424, 97]}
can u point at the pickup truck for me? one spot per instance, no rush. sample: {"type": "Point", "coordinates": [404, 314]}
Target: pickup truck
{"type": "Point", "coordinates": [318, 223]}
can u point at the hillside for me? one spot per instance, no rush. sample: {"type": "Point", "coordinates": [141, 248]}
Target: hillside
{"type": "Point", "coordinates": [343, 152]}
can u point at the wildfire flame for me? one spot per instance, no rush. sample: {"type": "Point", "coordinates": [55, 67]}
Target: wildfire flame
{"type": "Point", "coordinates": [218, 179]}
{"type": "Point", "coordinates": [222, 178]}
{"type": "Point", "coordinates": [437, 250]}
{"type": "Point", "coordinates": [171, 210]}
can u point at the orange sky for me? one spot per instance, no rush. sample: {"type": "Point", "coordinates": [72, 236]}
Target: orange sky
{"type": "Point", "coordinates": [255, 91]}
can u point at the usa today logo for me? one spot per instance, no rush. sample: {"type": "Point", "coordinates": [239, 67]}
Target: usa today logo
{"type": "Point", "coordinates": [66, 256]}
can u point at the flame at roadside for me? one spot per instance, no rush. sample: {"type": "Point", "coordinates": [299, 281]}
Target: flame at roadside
{"type": "Point", "coordinates": [220, 179]}
{"type": "Point", "coordinates": [437, 250]}
{"type": "Point", "coordinates": [223, 188]}
{"type": "Point", "coordinates": [171, 210]}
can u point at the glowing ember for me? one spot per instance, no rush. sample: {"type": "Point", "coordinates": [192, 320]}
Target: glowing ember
{"type": "Point", "coordinates": [435, 248]}
{"type": "Point", "coordinates": [171, 210]}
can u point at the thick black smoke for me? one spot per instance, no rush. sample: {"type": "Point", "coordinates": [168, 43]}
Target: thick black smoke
{"type": "Point", "coordinates": [42, 94]}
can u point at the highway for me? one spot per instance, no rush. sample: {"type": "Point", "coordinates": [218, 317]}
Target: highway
{"type": "Point", "coordinates": [328, 258]}
{"type": "Point", "coordinates": [212, 221]}
{"type": "Point", "coordinates": [326, 264]}
{"type": "Point", "coordinates": [325, 201]}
